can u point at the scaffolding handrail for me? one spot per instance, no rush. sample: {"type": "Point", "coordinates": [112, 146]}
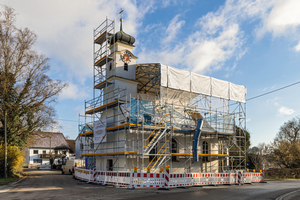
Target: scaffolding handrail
{"type": "Point", "coordinates": [157, 127]}
{"type": "Point", "coordinates": [157, 133]}
{"type": "Point", "coordinates": [160, 156]}
{"type": "Point", "coordinates": [158, 153]}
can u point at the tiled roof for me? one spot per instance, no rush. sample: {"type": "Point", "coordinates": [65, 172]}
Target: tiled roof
{"type": "Point", "coordinates": [43, 139]}
{"type": "Point", "coordinates": [71, 145]}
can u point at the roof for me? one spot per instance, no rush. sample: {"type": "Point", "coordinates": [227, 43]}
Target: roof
{"type": "Point", "coordinates": [43, 139]}
{"type": "Point", "coordinates": [71, 144]}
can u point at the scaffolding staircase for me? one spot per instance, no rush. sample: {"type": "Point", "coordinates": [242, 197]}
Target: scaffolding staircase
{"type": "Point", "coordinates": [156, 163]}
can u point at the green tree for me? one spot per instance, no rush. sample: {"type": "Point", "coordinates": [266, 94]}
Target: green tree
{"type": "Point", "coordinates": [286, 146]}
{"type": "Point", "coordinates": [27, 94]}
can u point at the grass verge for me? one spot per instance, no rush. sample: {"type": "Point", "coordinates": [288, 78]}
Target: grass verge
{"type": "Point", "coordinates": [4, 181]}
{"type": "Point", "coordinates": [281, 179]}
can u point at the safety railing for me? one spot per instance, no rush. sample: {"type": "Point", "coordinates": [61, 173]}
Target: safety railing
{"type": "Point", "coordinates": [161, 180]}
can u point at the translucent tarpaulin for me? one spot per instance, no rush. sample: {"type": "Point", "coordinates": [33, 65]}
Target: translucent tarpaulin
{"type": "Point", "coordinates": [187, 81]}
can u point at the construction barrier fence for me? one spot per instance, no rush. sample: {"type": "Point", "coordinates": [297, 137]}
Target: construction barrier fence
{"type": "Point", "coordinates": [165, 180]}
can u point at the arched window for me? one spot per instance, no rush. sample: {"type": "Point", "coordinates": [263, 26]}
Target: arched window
{"type": "Point", "coordinates": [174, 149]}
{"type": "Point", "coordinates": [205, 150]}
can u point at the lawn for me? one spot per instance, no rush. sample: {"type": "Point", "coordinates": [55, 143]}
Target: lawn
{"type": "Point", "coordinates": [4, 181]}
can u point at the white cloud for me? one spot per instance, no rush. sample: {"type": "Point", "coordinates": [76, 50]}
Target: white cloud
{"type": "Point", "coordinates": [284, 17]}
{"type": "Point", "coordinates": [173, 29]}
{"type": "Point", "coordinates": [297, 47]}
{"type": "Point", "coordinates": [65, 28]}
{"type": "Point", "coordinates": [217, 38]}
{"type": "Point", "coordinates": [285, 111]}
{"type": "Point", "coordinates": [74, 92]}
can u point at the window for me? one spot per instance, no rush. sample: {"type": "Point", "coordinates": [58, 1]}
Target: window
{"type": "Point", "coordinates": [110, 67]}
{"type": "Point", "coordinates": [205, 150]}
{"type": "Point", "coordinates": [81, 146]}
{"type": "Point", "coordinates": [56, 152]}
{"type": "Point", "coordinates": [65, 152]}
{"type": "Point", "coordinates": [92, 145]}
{"type": "Point", "coordinates": [125, 67]}
{"type": "Point", "coordinates": [174, 149]}
{"type": "Point", "coordinates": [44, 151]}
{"type": "Point", "coordinates": [110, 164]}
{"type": "Point", "coordinates": [37, 160]}
{"type": "Point", "coordinates": [35, 151]}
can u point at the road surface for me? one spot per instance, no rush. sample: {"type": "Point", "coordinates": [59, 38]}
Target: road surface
{"type": "Point", "coordinates": [51, 184]}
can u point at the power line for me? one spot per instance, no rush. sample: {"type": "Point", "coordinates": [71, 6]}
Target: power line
{"type": "Point", "coordinates": [231, 104]}
{"type": "Point", "coordinates": [273, 91]}
{"type": "Point", "coordinates": [66, 120]}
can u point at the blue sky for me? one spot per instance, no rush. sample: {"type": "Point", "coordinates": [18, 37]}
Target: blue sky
{"type": "Point", "coordinates": [255, 43]}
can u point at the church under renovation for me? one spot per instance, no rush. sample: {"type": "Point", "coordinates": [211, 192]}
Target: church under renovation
{"type": "Point", "coordinates": [145, 116]}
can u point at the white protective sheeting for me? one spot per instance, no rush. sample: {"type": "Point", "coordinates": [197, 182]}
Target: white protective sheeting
{"type": "Point", "coordinates": [238, 93]}
{"type": "Point", "coordinates": [179, 79]}
{"type": "Point", "coordinates": [164, 75]}
{"type": "Point", "coordinates": [200, 84]}
{"type": "Point", "coordinates": [187, 81]}
{"type": "Point", "coordinates": [220, 88]}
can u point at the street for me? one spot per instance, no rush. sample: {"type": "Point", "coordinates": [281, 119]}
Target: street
{"type": "Point", "coordinates": [51, 184]}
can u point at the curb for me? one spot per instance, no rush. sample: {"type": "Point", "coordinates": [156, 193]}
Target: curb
{"type": "Point", "coordinates": [286, 195]}
{"type": "Point", "coordinates": [10, 185]}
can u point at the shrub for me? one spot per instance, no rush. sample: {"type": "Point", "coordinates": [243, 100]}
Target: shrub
{"type": "Point", "coordinates": [15, 160]}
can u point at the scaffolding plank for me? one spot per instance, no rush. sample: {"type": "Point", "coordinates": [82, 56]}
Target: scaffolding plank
{"type": "Point", "coordinates": [88, 133]}
{"type": "Point", "coordinates": [111, 154]}
{"type": "Point", "coordinates": [102, 84]}
{"type": "Point", "coordinates": [102, 61]}
{"type": "Point", "coordinates": [101, 38]}
{"type": "Point", "coordinates": [103, 107]}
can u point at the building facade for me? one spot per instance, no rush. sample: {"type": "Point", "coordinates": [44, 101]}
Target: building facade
{"type": "Point", "coordinates": [150, 115]}
{"type": "Point", "coordinates": [46, 145]}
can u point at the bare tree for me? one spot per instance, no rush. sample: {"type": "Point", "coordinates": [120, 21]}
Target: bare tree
{"type": "Point", "coordinates": [258, 155]}
{"type": "Point", "coordinates": [27, 94]}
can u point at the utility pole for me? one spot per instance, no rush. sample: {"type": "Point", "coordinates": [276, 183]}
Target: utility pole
{"type": "Point", "coordinates": [5, 156]}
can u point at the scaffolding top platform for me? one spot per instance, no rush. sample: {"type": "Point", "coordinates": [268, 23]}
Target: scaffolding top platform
{"type": "Point", "coordinates": [103, 37]}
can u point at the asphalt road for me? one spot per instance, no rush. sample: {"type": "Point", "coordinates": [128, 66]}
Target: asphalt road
{"type": "Point", "coordinates": [48, 184]}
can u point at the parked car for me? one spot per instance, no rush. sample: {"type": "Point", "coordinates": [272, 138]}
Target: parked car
{"type": "Point", "coordinates": [68, 167]}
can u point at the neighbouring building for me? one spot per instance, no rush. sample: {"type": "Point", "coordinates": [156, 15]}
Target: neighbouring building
{"type": "Point", "coordinates": [46, 145]}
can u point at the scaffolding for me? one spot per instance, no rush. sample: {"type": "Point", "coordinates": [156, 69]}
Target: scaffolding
{"type": "Point", "coordinates": [157, 126]}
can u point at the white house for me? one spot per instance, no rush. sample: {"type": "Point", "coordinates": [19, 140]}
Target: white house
{"type": "Point", "coordinates": [48, 144]}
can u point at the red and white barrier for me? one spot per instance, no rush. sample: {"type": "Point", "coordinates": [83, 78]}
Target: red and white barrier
{"type": "Point", "coordinates": [247, 177]}
{"type": "Point", "coordinates": [156, 180]}
{"type": "Point", "coordinates": [257, 177]}
{"type": "Point", "coordinates": [83, 174]}
{"type": "Point", "coordinates": [95, 175]}
{"type": "Point", "coordinates": [166, 180]}
{"type": "Point", "coordinates": [240, 178]}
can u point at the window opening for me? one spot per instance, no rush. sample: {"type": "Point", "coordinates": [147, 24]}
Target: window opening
{"type": "Point", "coordinates": [125, 67]}
{"type": "Point", "coordinates": [205, 150]}
{"type": "Point", "coordinates": [174, 149]}
{"type": "Point", "coordinates": [110, 164]}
